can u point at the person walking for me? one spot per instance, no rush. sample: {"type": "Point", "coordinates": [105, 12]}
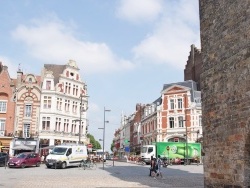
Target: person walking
{"type": "Point", "coordinates": [154, 168]}
{"type": "Point", "coordinates": [159, 162]}
{"type": "Point", "coordinates": [151, 162]}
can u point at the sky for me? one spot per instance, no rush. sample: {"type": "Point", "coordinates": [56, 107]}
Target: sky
{"type": "Point", "coordinates": [126, 49]}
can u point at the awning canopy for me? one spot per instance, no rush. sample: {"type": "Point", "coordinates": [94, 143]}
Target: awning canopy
{"type": "Point", "coordinates": [23, 147]}
{"type": "Point", "coordinates": [48, 147]}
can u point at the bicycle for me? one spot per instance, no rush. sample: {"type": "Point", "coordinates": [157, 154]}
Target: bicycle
{"type": "Point", "coordinates": [87, 164]}
{"type": "Point", "coordinates": [140, 161]}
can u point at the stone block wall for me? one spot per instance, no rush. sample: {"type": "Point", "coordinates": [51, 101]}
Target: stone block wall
{"type": "Point", "coordinates": [225, 87]}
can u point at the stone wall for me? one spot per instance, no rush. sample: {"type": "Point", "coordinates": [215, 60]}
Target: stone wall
{"type": "Point", "coordinates": [225, 86]}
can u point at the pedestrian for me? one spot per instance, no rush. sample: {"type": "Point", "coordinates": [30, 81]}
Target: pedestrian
{"type": "Point", "coordinates": [154, 168]}
{"type": "Point", "coordinates": [150, 169]}
{"type": "Point", "coordinates": [159, 162]}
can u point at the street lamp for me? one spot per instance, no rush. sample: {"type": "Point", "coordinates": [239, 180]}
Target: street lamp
{"type": "Point", "coordinates": [80, 118]}
{"type": "Point", "coordinates": [198, 131]}
{"type": "Point", "coordinates": [103, 143]}
{"type": "Point", "coordinates": [186, 148]}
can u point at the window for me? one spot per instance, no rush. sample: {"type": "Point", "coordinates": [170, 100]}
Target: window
{"type": "Point", "coordinates": [171, 104]}
{"type": "Point", "coordinates": [150, 149]}
{"type": "Point", "coordinates": [3, 106]}
{"type": "Point", "coordinates": [171, 122]}
{"type": "Point", "coordinates": [69, 152]}
{"type": "Point", "coordinates": [26, 130]}
{"type": "Point", "coordinates": [27, 110]}
{"type": "Point", "coordinates": [180, 121]}
{"type": "Point", "coordinates": [69, 88]}
{"type": "Point", "coordinates": [74, 89]}
{"type": "Point", "coordinates": [47, 102]}
{"type": "Point", "coordinates": [179, 103]}
{"type": "Point", "coordinates": [66, 87]}
{"type": "Point", "coordinates": [66, 125]}
{"type": "Point", "coordinates": [46, 123]}
{"type": "Point", "coordinates": [2, 124]}
{"type": "Point", "coordinates": [200, 120]}
{"type": "Point", "coordinates": [59, 103]}
{"type": "Point", "coordinates": [48, 85]}
{"type": "Point", "coordinates": [58, 124]}
{"type": "Point", "coordinates": [74, 107]}
{"type": "Point", "coordinates": [67, 102]}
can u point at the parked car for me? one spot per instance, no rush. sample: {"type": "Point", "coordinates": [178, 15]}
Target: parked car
{"type": "Point", "coordinates": [4, 157]}
{"type": "Point", "coordinates": [25, 159]}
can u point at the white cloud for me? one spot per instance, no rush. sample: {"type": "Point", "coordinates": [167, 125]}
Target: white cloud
{"type": "Point", "coordinates": [170, 41]}
{"type": "Point", "coordinates": [12, 67]}
{"type": "Point", "coordinates": [54, 42]}
{"type": "Point", "coordinates": [137, 11]}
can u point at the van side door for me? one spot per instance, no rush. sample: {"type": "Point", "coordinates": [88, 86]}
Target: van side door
{"type": "Point", "coordinates": [69, 155]}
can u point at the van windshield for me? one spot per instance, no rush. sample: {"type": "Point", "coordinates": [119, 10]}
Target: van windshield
{"type": "Point", "coordinates": [58, 151]}
{"type": "Point", "coordinates": [144, 149]}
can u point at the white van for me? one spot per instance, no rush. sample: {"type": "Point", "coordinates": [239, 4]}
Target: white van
{"type": "Point", "coordinates": [66, 155]}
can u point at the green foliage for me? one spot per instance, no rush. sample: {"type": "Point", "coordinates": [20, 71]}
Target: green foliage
{"type": "Point", "coordinates": [95, 143]}
{"type": "Point", "coordinates": [112, 146]}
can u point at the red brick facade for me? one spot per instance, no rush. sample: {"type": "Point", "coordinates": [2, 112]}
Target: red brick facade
{"type": "Point", "coordinates": [6, 95]}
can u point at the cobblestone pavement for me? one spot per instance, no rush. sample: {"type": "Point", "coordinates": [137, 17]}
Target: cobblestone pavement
{"type": "Point", "coordinates": [122, 174]}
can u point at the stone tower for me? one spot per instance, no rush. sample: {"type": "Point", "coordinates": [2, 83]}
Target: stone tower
{"type": "Point", "coordinates": [225, 87]}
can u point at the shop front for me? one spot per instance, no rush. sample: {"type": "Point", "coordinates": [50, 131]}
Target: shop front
{"type": "Point", "coordinates": [5, 144]}
{"type": "Point", "coordinates": [19, 145]}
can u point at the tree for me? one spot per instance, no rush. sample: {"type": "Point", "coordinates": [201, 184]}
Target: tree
{"type": "Point", "coordinates": [112, 146]}
{"type": "Point", "coordinates": [95, 144]}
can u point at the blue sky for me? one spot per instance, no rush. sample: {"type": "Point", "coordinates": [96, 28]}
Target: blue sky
{"type": "Point", "coordinates": [125, 49]}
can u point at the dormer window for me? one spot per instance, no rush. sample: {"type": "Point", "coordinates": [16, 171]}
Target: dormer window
{"type": "Point", "coordinates": [48, 84]}
{"type": "Point", "coordinates": [71, 74]}
{"type": "Point", "coordinates": [30, 80]}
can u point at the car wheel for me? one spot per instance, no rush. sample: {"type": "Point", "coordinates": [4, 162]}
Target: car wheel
{"type": "Point", "coordinates": [23, 165]}
{"type": "Point", "coordinates": [38, 164]}
{"type": "Point", "coordinates": [48, 166]}
{"type": "Point", "coordinates": [63, 165]}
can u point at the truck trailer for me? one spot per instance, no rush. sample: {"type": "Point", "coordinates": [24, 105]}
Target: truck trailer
{"type": "Point", "coordinates": [172, 151]}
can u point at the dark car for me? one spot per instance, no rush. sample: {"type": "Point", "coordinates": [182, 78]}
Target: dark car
{"type": "Point", "coordinates": [25, 159]}
{"type": "Point", "coordinates": [4, 157]}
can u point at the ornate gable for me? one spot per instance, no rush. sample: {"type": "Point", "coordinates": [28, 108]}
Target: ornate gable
{"type": "Point", "coordinates": [175, 89]}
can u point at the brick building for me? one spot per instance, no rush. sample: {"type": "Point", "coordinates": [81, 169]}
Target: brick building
{"type": "Point", "coordinates": [165, 120]}
{"type": "Point", "coordinates": [7, 108]}
{"type": "Point", "coordinates": [27, 97]}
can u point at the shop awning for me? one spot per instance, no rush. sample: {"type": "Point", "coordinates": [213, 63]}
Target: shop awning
{"type": "Point", "coordinates": [48, 147]}
{"type": "Point", "coordinates": [23, 147]}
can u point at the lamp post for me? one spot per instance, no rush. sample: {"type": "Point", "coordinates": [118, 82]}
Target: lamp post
{"type": "Point", "coordinates": [198, 131]}
{"type": "Point", "coordinates": [80, 120]}
{"type": "Point", "coordinates": [103, 143]}
{"type": "Point", "coordinates": [186, 145]}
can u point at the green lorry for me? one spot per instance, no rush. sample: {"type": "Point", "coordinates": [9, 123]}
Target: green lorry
{"type": "Point", "coordinates": [172, 151]}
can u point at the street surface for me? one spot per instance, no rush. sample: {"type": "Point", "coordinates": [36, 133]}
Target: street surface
{"type": "Point", "coordinates": [122, 174]}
